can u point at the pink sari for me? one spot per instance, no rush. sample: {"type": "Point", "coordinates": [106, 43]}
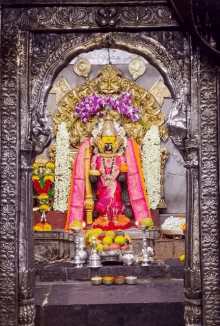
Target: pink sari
{"type": "Point", "coordinates": [109, 197]}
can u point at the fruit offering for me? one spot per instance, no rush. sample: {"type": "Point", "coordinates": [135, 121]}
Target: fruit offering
{"type": "Point", "coordinates": [99, 247]}
{"type": "Point", "coordinates": [109, 240]}
{"type": "Point", "coordinates": [120, 240]}
{"type": "Point", "coordinates": [148, 221]}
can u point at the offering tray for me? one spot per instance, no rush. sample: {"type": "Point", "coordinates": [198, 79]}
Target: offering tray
{"type": "Point", "coordinates": [113, 255]}
{"type": "Point", "coordinates": [173, 233]}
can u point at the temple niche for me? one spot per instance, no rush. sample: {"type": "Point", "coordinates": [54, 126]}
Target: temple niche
{"type": "Point", "coordinates": [124, 80]}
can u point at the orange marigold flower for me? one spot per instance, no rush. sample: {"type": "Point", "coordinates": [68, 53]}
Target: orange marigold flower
{"type": "Point", "coordinates": [123, 168]}
{"type": "Point", "coordinates": [47, 227]}
{"type": "Point", "coordinates": [42, 196]}
{"type": "Point", "coordinates": [183, 227]}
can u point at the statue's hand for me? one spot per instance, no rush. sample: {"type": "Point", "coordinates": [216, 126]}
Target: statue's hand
{"type": "Point", "coordinates": [122, 177]}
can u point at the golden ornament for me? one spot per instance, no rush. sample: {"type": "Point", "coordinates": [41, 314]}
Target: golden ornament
{"type": "Point", "coordinates": [109, 80]}
{"type": "Point", "coordinates": [82, 67]}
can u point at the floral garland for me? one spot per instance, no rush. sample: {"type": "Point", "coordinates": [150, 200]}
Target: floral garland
{"type": "Point", "coordinates": [89, 106]}
{"type": "Point", "coordinates": [42, 226]}
{"type": "Point", "coordinates": [42, 183]}
{"type": "Point", "coordinates": [120, 222]}
{"type": "Point", "coordinates": [62, 170]}
{"type": "Point", "coordinates": [151, 164]}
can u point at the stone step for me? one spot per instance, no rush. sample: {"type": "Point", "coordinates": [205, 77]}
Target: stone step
{"type": "Point", "coordinates": [150, 302]}
{"type": "Point", "coordinates": [65, 271]}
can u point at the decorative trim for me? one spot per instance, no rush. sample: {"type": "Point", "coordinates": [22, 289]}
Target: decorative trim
{"type": "Point", "coordinates": [209, 194]}
{"type": "Point", "coordinates": [168, 52]}
{"type": "Point", "coordinates": [90, 17]}
{"type": "Point", "coordinates": [9, 185]}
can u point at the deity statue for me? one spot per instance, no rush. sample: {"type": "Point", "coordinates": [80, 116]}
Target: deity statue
{"type": "Point", "coordinates": [107, 118]}
{"type": "Point", "coordinates": [117, 190]}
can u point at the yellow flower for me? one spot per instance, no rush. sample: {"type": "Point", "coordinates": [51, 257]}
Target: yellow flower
{"type": "Point", "coordinates": [50, 165]}
{"type": "Point", "coordinates": [42, 196]}
{"type": "Point", "coordinates": [182, 257]}
{"type": "Point", "coordinates": [35, 177]}
{"type": "Point", "coordinates": [49, 177]}
{"type": "Point", "coordinates": [38, 228]}
{"type": "Point", "coordinates": [183, 227]}
{"type": "Point", "coordinates": [47, 227]}
{"type": "Point", "coordinates": [44, 208]}
{"type": "Point", "coordinates": [35, 166]}
{"type": "Point", "coordinates": [181, 218]}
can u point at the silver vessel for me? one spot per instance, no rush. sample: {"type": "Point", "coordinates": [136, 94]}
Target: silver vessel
{"type": "Point", "coordinates": [94, 258]}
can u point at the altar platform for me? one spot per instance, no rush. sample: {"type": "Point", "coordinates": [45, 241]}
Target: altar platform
{"type": "Point", "coordinates": [150, 302]}
{"type": "Point", "coordinates": [65, 271]}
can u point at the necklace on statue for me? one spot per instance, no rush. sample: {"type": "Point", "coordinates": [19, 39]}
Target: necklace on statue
{"type": "Point", "coordinates": [108, 163]}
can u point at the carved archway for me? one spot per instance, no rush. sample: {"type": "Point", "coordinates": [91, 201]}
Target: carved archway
{"type": "Point", "coordinates": [23, 128]}
{"type": "Point", "coordinates": [147, 47]}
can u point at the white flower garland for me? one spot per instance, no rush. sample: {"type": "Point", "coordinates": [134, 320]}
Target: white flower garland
{"type": "Point", "coordinates": [62, 169]}
{"type": "Point", "coordinates": [151, 164]}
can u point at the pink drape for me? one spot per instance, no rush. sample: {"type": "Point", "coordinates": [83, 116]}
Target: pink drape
{"type": "Point", "coordinates": [77, 191]}
{"type": "Point", "coordinates": [135, 186]}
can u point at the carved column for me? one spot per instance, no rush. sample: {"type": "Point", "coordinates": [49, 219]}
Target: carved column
{"type": "Point", "coordinates": [26, 312]}
{"type": "Point", "coordinates": [192, 275]}
{"type": "Point", "coordinates": [192, 279]}
{"type": "Point", "coordinates": [9, 187]}
{"type": "Point", "coordinates": [26, 244]}
{"type": "Point", "coordinates": [209, 190]}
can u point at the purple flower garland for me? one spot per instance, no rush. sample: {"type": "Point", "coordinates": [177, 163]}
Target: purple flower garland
{"type": "Point", "coordinates": [123, 105]}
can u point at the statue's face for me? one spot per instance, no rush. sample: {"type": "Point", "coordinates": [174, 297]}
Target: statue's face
{"type": "Point", "coordinates": [108, 143]}
{"type": "Point", "coordinates": [108, 148]}
{"type": "Point", "coordinates": [109, 84]}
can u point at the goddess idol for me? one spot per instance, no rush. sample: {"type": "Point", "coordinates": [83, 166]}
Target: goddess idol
{"type": "Point", "coordinates": [109, 189]}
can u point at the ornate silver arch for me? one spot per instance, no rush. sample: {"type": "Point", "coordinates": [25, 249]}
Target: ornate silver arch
{"type": "Point", "coordinates": [24, 132]}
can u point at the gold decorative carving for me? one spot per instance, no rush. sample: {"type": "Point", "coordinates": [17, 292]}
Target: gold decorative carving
{"type": "Point", "coordinates": [109, 80]}
{"type": "Point", "coordinates": [164, 153]}
{"type": "Point", "coordinates": [89, 202]}
{"type": "Point", "coordinates": [82, 67]}
{"type": "Point", "coordinates": [159, 91]}
{"type": "Point", "coordinates": [51, 152]}
{"type": "Point", "coordinates": [61, 88]}
{"type": "Point", "coordinates": [137, 67]}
